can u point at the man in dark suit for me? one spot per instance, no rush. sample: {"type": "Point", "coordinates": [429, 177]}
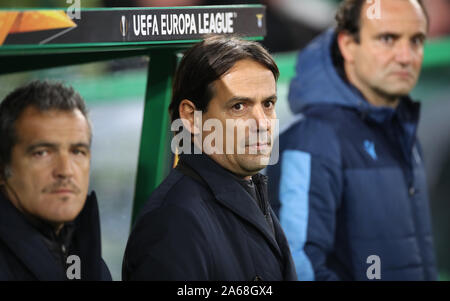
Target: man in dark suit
{"type": "Point", "coordinates": [49, 225]}
{"type": "Point", "coordinates": [210, 218]}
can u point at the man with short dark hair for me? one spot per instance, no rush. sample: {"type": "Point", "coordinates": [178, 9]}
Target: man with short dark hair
{"type": "Point", "coordinates": [49, 225]}
{"type": "Point", "coordinates": [350, 187]}
{"type": "Point", "coordinates": [210, 218]}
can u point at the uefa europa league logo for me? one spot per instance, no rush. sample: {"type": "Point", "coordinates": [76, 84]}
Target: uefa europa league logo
{"type": "Point", "coordinates": [123, 26]}
{"type": "Point", "coordinates": [259, 18]}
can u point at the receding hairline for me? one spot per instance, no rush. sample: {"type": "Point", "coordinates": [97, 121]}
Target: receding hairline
{"type": "Point", "coordinates": [30, 108]}
{"type": "Point", "coordinates": [363, 18]}
{"type": "Point", "coordinates": [233, 68]}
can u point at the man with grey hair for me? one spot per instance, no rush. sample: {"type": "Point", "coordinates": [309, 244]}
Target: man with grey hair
{"type": "Point", "coordinates": [49, 225]}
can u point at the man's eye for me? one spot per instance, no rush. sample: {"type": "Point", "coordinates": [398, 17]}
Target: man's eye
{"type": "Point", "coordinates": [40, 153]}
{"type": "Point", "coordinates": [79, 152]}
{"type": "Point", "coordinates": [238, 107]}
{"type": "Point", "coordinates": [387, 39]}
{"type": "Point", "coordinates": [418, 41]}
{"type": "Point", "coordinates": [269, 104]}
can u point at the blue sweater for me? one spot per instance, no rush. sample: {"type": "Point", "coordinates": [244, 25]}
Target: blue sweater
{"type": "Point", "coordinates": [350, 182]}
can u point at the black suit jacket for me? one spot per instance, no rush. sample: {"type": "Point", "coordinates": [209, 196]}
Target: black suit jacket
{"type": "Point", "coordinates": [25, 256]}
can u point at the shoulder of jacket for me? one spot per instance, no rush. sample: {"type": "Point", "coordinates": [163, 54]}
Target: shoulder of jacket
{"type": "Point", "coordinates": [318, 131]}
{"type": "Point", "coordinates": [176, 191]}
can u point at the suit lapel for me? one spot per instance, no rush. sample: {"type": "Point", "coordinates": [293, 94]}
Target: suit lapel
{"type": "Point", "coordinates": [231, 194]}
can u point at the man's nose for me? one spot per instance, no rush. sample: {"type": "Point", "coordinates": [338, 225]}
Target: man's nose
{"type": "Point", "coordinates": [404, 53]}
{"type": "Point", "coordinates": [63, 166]}
{"type": "Point", "coordinates": [263, 122]}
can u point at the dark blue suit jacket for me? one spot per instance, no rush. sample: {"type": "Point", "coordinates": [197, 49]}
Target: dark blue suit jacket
{"type": "Point", "coordinates": [25, 256]}
{"type": "Point", "coordinates": [205, 229]}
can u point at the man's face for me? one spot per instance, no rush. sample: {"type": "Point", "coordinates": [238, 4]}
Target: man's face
{"type": "Point", "coordinates": [388, 59]}
{"type": "Point", "coordinates": [245, 96]}
{"type": "Point", "coordinates": [50, 164]}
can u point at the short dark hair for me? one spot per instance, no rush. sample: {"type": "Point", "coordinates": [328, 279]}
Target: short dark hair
{"type": "Point", "coordinates": [206, 62]}
{"type": "Point", "coordinates": [348, 17]}
{"type": "Point", "coordinates": [44, 96]}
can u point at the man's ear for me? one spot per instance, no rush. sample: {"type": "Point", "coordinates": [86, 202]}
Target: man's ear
{"type": "Point", "coordinates": [186, 109]}
{"type": "Point", "coordinates": [347, 46]}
